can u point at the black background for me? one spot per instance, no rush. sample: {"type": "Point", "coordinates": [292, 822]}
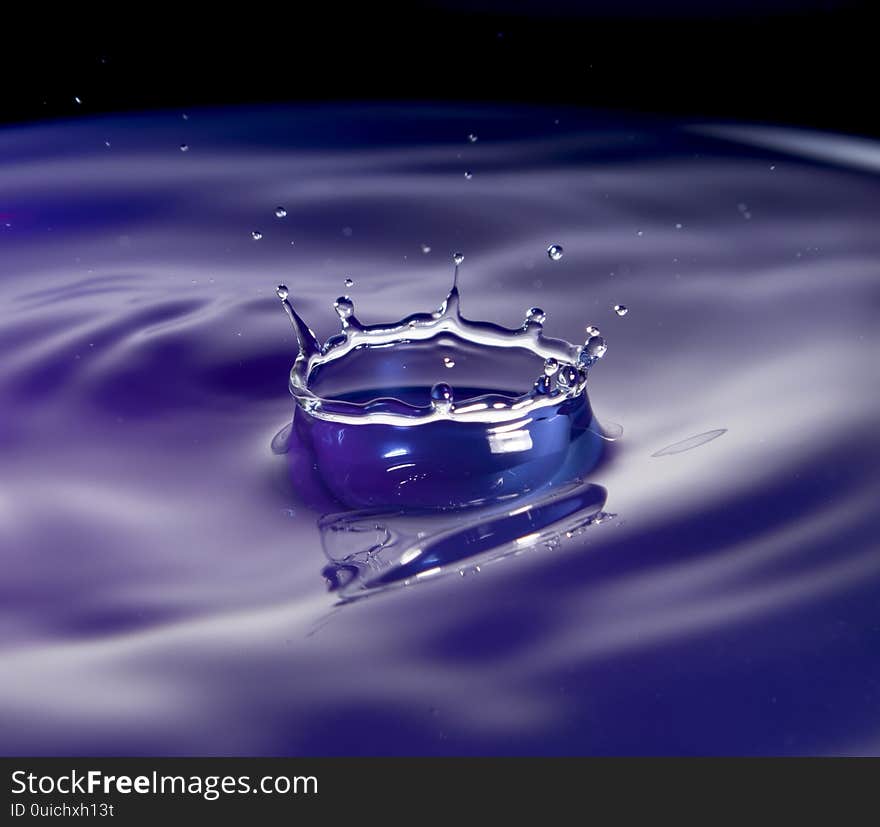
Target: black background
{"type": "Point", "coordinates": [811, 62]}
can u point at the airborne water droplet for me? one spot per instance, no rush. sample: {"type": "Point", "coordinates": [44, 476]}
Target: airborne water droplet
{"type": "Point", "coordinates": [458, 258]}
{"type": "Point", "coordinates": [448, 362]}
{"type": "Point", "coordinates": [555, 252]}
{"type": "Point", "coordinates": [592, 330]}
{"type": "Point", "coordinates": [535, 314]}
{"type": "Point", "coordinates": [472, 138]}
{"type": "Point", "coordinates": [184, 147]}
{"type": "Point", "coordinates": [349, 282]}
{"type": "Point", "coordinates": [280, 212]}
{"type": "Point", "coordinates": [282, 291]}
{"type": "Point", "coordinates": [468, 175]}
{"type": "Point", "coordinates": [426, 249]}
{"type": "Point", "coordinates": [256, 235]}
{"type": "Point", "coordinates": [621, 309]}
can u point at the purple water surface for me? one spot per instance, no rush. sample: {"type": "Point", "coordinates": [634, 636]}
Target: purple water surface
{"type": "Point", "coordinates": [161, 586]}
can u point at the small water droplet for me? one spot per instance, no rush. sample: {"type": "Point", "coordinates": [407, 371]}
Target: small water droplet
{"type": "Point", "coordinates": [426, 248]}
{"type": "Point", "coordinates": [772, 167]}
{"type": "Point", "coordinates": [448, 362]}
{"type": "Point", "coordinates": [347, 231]}
{"type": "Point", "coordinates": [639, 233]}
{"type": "Point", "coordinates": [535, 314]}
{"type": "Point", "coordinates": [551, 366]}
{"type": "Point", "coordinates": [185, 116]}
{"type": "Point", "coordinates": [595, 347]}
{"type": "Point", "coordinates": [468, 175]}
{"type": "Point", "coordinates": [555, 252]}
{"type": "Point", "coordinates": [568, 376]}
{"type": "Point", "coordinates": [106, 143]}
{"type": "Point", "coordinates": [621, 309]}
{"type": "Point", "coordinates": [344, 307]}
{"type": "Point", "coordinates": [458, 258]}
{"type": "Point", "coordinates": [678, 226]}
{"type": "Point", "coordinates": [592, 330]}
{"type": "Point", "coordinates": [256, 235]}
{"type": "Point", "coordinates": [280, 212]}
{"type": "Point", "coordinates": [543, 384]}
{"type": "Point", "coordinates": [77, 100]}
{"type": "Point", "coordinates": [442, 397]}
{"type": "Point", "coordinates": [349, 282]}
{"type": "Point", "coordinates": [184, 147]}
{"type": "Point", "coordinates": [472, 138]}
{"type": "Point", "coordinates": [282, 291]}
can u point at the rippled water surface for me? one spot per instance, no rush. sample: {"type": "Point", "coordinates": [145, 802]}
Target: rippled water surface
{"type": "Point", "coordinates": [162, 587]}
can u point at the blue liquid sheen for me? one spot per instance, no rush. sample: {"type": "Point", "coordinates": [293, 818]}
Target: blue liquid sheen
{"type": "Point", "coordinates": [159, 575]}
{"type": "Point", "coordinates": [440, 464]}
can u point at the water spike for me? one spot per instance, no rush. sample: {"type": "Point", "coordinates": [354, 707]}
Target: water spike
{"type": "Point", "coordinates": [305, 338]}
{"type": "Point", "coordinates": [450, 304]}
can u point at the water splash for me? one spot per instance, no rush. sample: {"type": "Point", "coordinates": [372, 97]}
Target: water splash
{"type": "Point", "coordinates": [319, 365]}
{"type": "Point", "coordinates": [377, 427]}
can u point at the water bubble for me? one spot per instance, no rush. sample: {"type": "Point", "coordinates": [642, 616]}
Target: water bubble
{"type": "Point", "coordinates": [448, 362]}
{"type": "Point", "coordinates": [280, 212]}
{"type": "Point", "coordinates": [442, 397]}
{"type": "Point", "coordinates": [468, 175]}
{"type": "Point", "coordinates": [568, 376]}
{"type": "Point", "coordinates": [621, 309]}
{"type": "Point", "coordinates": [282, 291]}
{"type": "Point", "coordinates": [555, 252]}
{"type": "Point", "coordinates": [458, 258]}
{"type": "Point", "coordinates": [551, 366]}
{"type": "Point", "coordinates": [184, 147]}
{"type": "Point", "coordinates": [256, 235]}
{"type": "Point", "coordinates": [595, 347]}
{"type": "Point", "coordinates": [536, 315]}
{"type": "Point", "coordinates": [344, 307]}
{"type": "Point", "coordinates": [592, 330]}
{"type": "Point", "coordinates": [472, 138]}
{"type": "Point", "coordinates": [349, 282]}
{"type": "Point", "coordinates": [426, 248]}
{"type": "Point", "coordinates": [543, 385]}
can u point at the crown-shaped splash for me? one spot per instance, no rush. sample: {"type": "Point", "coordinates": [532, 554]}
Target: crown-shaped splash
{"type": "Point", "coordinates": [564, 374]}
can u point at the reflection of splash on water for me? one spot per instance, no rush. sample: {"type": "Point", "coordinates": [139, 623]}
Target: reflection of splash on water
{"type": "Point", "coordinates": [373, 552]}
{"type": "Point", "coordinates": [690, 443]}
